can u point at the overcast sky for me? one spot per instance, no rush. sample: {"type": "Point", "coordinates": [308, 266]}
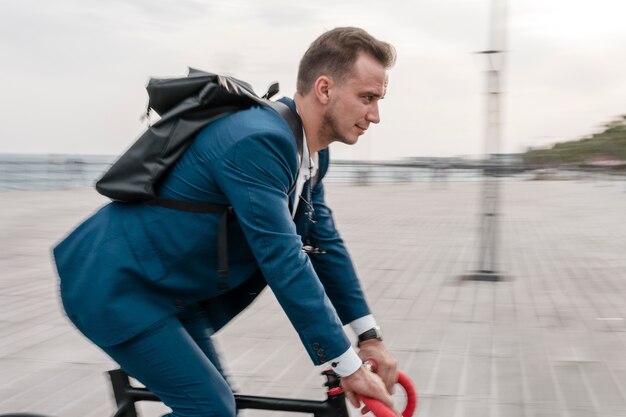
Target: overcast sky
{"type": "Point", "coordinates": [73, 72]}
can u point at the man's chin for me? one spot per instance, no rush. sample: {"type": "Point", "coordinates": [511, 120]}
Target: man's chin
{"type": "Point", "coordinates": [348, 140]}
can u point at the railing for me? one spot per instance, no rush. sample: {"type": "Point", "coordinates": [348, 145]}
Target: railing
{"type": "Point", "coordinates": [37, 172]}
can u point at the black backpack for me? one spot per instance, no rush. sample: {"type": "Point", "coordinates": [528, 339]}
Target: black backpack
{"type": "Point", "coordinates": [186, 105]}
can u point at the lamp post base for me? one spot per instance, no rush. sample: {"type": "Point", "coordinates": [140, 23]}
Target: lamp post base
{"type": "Point", "coordinates": [489, 276]}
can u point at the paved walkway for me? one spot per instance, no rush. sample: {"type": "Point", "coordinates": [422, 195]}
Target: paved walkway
{"type": "Point", "coordinates": [549, 341]}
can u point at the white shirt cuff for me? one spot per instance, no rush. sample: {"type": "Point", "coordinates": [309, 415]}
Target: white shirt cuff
{"type": "Point", "coordinates": [363, 324]}
{"type": "Point", "coordinates": [347, 363]}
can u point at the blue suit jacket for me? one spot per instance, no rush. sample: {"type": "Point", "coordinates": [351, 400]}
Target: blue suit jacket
{"type": "Point", "coordinates": [129, 266]}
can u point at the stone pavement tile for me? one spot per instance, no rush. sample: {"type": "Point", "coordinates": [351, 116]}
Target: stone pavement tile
{"type": "Point", "coordinates": [56, 350]}
{"type": "Point", "coordinates": [422, 371]}
{"type": "Point", "coordinates": [505, 314]}
{"type": "Point", "coordinates": [572, 385]}
{"type": "Point", "coordinates": [40, 311]}
{"type": "Point", "coordinates": [561, 346]}
{"type": "Point", "coordinates": [544, 410]}
{"type": "Point", "coordinates": [582, 412]}
{"type": "Point", "coordinates": [448, 373]}
{"type": "Point", "coordinates": [399, 309]}
{"type": "Point", "coordinates": [463, 310]}
{"type": "Point", "coordinates": [432, 336]}
{"type": "Point", "coordinates": [403, 335]}
{"type": "Point", "coordinates": [508, 381]}
{"type": "Point", "coordinates": [424, 305]}
{"type": "Point", "coordinates": [456, 339]}
{"type": "Point", "coordinates": [16, 374]}
{"type": "Point", "coordinates": [602, 384]}
{"type": "Point", "coordinates": [538, 377]}
{"type": "Point", "coordinates": [505, 342]}
{"type": "Point", "coordinates": [254, 356]}
{"type": "Point", "coordinates": [77, 392]}
{"type": "Point", "coordinates": [441, 311]}
{"type": "Point", "coordinates": [592, 320]}
{"type": "Point", "coordinates": [479, 377]}
{"type": "Point", "coordinates": [473, 409]}
{"type": "Point", "coordinates": [572, 346]}
{"type": "Point", "coordinates": [412, 288]}
{"type": "Point", "coordinates": [484, 307]}
{"type": "Point", "coordinates": [481, 340]}
{"type": "Point", "coordinates": [147, 409]}
{"type": "Point", "coordinates": [611, 412]}
{"type": "Point", "coordinates": [45, 388]}
{"type": "Point", "coordinates": [19, 338]}
{"type": "Point", "coordinates": [610, 348]}
{"type": "Point", "coordinates": [438, 407]}
{"type": "Point", "coordinates": [510, 410]}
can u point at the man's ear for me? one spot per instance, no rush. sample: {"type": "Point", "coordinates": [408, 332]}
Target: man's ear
{"type": "Point", "coordinates": [323, 88]}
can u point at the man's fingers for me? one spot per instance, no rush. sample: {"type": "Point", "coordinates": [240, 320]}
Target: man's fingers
{"type": "Point", "coordinates": [390, 388]}
{"type": "Point", "coordinates": [354, 400]}
{"type": "Point", "coordinates": [390, 379]}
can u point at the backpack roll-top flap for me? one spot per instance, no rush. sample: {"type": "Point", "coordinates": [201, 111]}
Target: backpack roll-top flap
{"type": "Point", "coordinates": [219, 92]}
{"type": "Point", "coordinates": [165, 93]}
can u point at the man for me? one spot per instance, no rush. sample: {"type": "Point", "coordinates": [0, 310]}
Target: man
{"type": "Point", "coordinates": [140, 281]}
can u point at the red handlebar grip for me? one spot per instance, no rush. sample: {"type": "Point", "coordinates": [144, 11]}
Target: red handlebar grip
{"type": "Point", "coordinates": [381, 410]}
{"type": "Point", "coordinates": [411, 394]}
{"type": "Point", "coordinates": [378, 408]}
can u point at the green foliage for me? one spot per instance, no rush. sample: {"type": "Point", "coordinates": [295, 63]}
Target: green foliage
{"type": "Point", "coordinates": [610, 142]}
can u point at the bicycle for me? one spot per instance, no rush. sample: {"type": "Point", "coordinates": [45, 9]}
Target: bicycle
{"type": "Point", "coordinates": [126, 395]}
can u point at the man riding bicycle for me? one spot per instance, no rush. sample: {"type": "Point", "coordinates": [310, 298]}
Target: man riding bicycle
{"type": "Point", "coordinates": [141, 281]}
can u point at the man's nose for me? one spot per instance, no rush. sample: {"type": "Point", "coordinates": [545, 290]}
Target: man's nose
{"type": "Point", "coordinates": [372, 115]}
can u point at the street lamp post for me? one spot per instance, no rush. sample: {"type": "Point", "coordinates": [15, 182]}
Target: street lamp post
{"type": "Point", "coordinates": [489, 233]}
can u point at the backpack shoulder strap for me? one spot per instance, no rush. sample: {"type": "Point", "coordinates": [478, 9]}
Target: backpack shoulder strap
{"type": "Point", "coordinates": [295, 124]}
{"type": "Point", "coordinates": [291, 117]}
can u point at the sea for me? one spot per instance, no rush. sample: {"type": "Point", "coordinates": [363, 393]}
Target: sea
{"type": "Point", "coordinates": [58, 171]}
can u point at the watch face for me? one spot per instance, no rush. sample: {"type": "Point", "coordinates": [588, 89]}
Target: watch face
{"type": "Point", "coordinates": [378, 334]}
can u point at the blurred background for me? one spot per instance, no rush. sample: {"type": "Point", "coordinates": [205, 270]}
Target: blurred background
{"type": "Point", "coordinates": [73, 72]}
{"type": "Point", "coordinates": [485, 217]}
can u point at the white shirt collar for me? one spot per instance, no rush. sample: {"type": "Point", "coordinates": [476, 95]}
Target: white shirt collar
{"type": "Point", "coordinates": [308, 168]}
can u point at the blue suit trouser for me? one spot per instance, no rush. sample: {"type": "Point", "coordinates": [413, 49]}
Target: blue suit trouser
{"type": "Point", "coordinates": [177, 361]}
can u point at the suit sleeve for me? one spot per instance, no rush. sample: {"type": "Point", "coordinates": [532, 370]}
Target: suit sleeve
{"type": "Point", "coordinates": [335, 268]}
{"type": "Point", "coordinates": [255, 175]}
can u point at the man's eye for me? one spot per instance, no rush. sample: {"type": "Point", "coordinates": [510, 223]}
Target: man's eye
{"type": "Point", "coordinates": [369, 98]}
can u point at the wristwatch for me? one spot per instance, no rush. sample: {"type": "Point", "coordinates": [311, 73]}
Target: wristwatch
{"type": "Point", "coordinates": [373, 333]}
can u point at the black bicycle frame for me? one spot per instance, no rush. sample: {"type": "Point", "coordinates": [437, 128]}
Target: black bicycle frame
{"type": "Point", "coordinates": [127, 395]}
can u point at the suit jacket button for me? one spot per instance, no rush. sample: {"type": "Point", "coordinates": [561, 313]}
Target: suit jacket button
{"type": "Point", "coordinates": [316, 346]}
{"type": "Point", "coordinates": [223, 287]}
{"type": "Point", "coordinates": [179, 303]}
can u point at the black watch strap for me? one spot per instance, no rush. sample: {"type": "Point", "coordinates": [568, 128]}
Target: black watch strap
{"type": "Point", "coordinates": [373, 333]}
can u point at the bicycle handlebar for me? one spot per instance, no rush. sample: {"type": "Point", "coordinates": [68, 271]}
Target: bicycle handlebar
{"type": "Point", "coordinates": [381, 410]}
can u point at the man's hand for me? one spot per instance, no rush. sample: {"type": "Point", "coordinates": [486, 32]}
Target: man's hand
{"type": "Point", "coordinates": [386, 363]}
{"type": "Point", "coordinates": [366, 383]}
